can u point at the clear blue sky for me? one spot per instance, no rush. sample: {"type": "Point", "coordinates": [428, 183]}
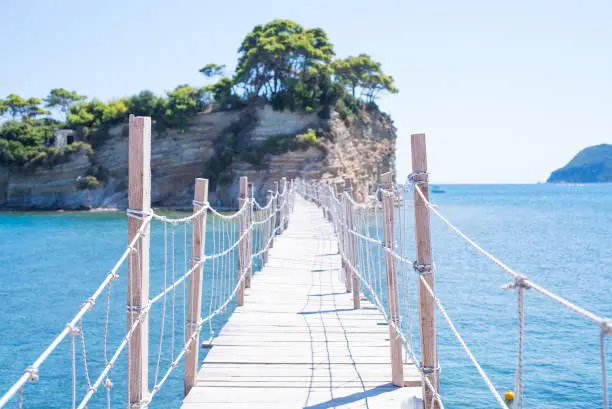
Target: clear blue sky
{"type": "Point", "coordinates": [506, 91]}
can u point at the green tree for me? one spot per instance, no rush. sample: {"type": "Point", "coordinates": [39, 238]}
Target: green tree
{"type": "Point", "coordinates": [223, 92]}
{"type": "Point", "coordinates": [281, 50]}
{"type": "Point", "coordinates": [212, 70]}
{"type": "Point", "coordinates": [115, 110]}
{"type": "Point", "coordinates": [363, 74]}
{"type": "Point", "coordinates": [18, 107]}
{"type": "Point", "coordinates": [61, 99]}
{"type": "Point", "coordinates": [144, 103]}
{"type": "Point", "coordinates": [182, 104]}
{"type": "Point", "coordinates": [3, 107]}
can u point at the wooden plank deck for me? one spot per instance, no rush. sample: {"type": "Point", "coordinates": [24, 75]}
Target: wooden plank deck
{"type": "Point", "coordinates": [297, 342]}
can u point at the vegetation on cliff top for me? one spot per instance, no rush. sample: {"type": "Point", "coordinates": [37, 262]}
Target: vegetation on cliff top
{"type": "Point", "coordinates": [590, 165]}
{"type": "Point", "coordinates": [281, 63]}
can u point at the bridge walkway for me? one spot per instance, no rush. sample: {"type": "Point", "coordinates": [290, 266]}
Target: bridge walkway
{"type": "Point", "coordinates": [297, 342]}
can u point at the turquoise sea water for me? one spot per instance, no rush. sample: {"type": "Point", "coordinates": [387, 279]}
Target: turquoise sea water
{"type": "Point", "coordinates": [559, 236]}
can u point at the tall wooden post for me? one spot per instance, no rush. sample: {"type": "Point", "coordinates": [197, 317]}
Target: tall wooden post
{"type": "Point", "coordinates": [249, 238]}
{"type": "Point", "coordinates": [268, 227]}
{"type": "Point", "coordinates": [139, 201]}
{"type": "Point", "coordinates": [275, 210]}
{"type": "Point", "coordinates": [397, 365]}
{"type": "Point", "coordinates": [352, 250]}
{"type": "Point", "coordinates": [339, 191]}
{"type": "Point", "coordinates": [243, 260]}
{"type": "Point", "coordinates": [427, 326]}
{"type": "Point", "coordinates": [346, 247]}
{"type": "Point", "coordinates": [194, 308]}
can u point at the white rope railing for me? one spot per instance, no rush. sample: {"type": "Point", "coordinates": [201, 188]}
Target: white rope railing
{"type": "Point", "coordinates": [521, 282]}
{"type": "Point", "coordinates": [31, 372]}
{"type": "Point", "coordinates": [371, 280]}
{"type": "Point", "coordinates": [264, 222]}
{"type": "Point", "coordinates": [369, 269]}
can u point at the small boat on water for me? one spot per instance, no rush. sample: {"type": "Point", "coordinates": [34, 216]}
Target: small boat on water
{"type": "Point", "coordinates": [436, 189]}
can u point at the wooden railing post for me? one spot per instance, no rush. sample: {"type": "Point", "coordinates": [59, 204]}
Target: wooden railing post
{"type": "Point", "coordinates": [345, 249]}
{"type": "Point", "coordinates": [324, 203]}
{"type": "Point", "coordinates": [427, 326]}
{"type": "Point", "coordinates": [139, 201]}
{"type": "Point", "coordinates": [352, 253]}
{"type": "Point", "coordinates": [268, 227]}
{"type": "Point", "coordinates": [277, 202]}
{"type": "Point", "coordinates": [283, 210]}
{"type": "Point", "coordinates": [194, 309]}
{"type": "Point", "coordinates": [249, 238]}
{"type": "Point", "coordinates": [397, 365]}
{"type": "Point", "coordinates": [339, 192]}
{"type": "Point", "coordinates": [242, 247]}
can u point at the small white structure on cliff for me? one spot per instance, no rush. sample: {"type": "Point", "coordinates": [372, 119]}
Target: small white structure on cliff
{"type": "Point", "coordinates": [63, 137]}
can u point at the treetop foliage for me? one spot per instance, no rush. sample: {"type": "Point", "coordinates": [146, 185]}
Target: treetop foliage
{"type": "Point", "coordinates": [212, 70]}
{"type": "Point", "coordinates": [62, 99]}
{"type": "Point", "coordinates": [272, 54]}
{"type": "Point", "coordinates": [294, 67]}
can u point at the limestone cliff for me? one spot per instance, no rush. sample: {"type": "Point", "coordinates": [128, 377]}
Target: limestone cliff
{"type": "Point", "coordinates": [359, 150]}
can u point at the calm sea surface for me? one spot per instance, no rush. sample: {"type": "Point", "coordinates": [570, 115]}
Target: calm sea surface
{"type": "Point", "coordinates": [559, 236]}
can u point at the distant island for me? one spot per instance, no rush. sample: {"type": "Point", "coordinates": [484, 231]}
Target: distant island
{"type": "Point", "coordinates": [590, 165]}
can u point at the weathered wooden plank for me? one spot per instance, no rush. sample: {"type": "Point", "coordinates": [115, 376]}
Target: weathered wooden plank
{"type": "Point", "coordinates": [382, 396]}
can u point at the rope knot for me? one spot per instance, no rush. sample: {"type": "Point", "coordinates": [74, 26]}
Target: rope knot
{"type": "Point", "coordinates": [113, 275]}
{"type": "Point", "coordinates": [107, 383]}
{"type": "Point", "coordinates": [92, 389]}
{"type": "Point", "coordinates": [137, 214]}
{"type": "Point", "coordinates": [421, 268]}
{"type": "Point", "coordinates": [418, 177]}
{"type": "Point", "coordinates": [606, 327]}
{"type": "Point", "coordinates": [198, 260]}
{"type": "Point", "coordinates": [200, 203]}
{"type": "Point", "coordinates": [73, 330]}
{"type": "Point", "coordinates": [90, 302]}
{"type": "Point", "coordinates": [140, 309]}
{"type": "Point", "coordinates": [428, 370]}
{"type": "Point", "coordinates": [32, 372]}
{"type": "Point", "coordinates": [520, 281]}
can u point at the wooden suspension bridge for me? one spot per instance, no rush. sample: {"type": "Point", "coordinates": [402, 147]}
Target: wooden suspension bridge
{"type": "Point", "coordinates": [321, 325]}
{"type": "Point", "coordinates": [298, 341]}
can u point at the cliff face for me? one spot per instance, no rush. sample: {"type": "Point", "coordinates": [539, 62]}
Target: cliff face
{"type": "Point", "coordinates": [590, 165]}
{"type": "Point", "coordinates": [360, 151]}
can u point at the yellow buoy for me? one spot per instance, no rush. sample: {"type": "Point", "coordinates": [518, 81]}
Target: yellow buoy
{"type": "Point", "coordinates": [509, 395]}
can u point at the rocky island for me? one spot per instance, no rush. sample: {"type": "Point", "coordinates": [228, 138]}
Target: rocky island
{"type": "Point", "coordinates": [590, 165]}
{"type": "Point", "coordinates": [290, 109]}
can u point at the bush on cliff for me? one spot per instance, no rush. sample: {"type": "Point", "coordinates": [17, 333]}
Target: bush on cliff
{"type": "Point", "coordinates": [25, 144]}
